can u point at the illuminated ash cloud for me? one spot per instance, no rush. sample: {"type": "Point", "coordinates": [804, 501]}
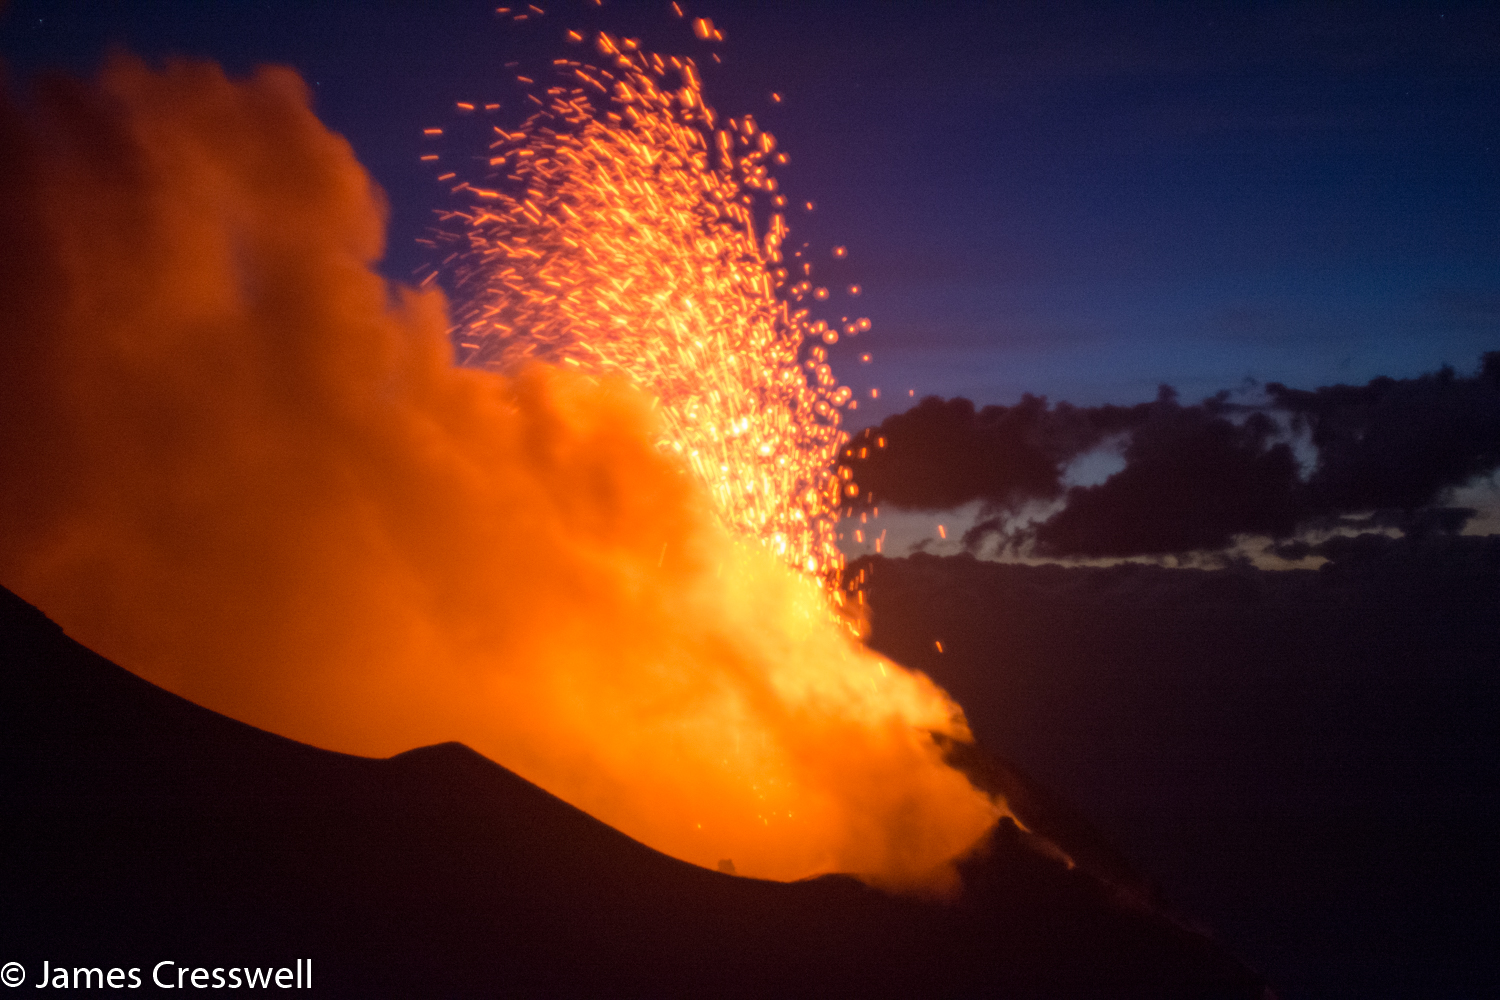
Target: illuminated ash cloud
{"type": "Point", "coordinates": [237, 461]}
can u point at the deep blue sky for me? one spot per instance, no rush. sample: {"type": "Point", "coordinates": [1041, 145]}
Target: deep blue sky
{"type": "Point", "coordinates": [1081, 200]}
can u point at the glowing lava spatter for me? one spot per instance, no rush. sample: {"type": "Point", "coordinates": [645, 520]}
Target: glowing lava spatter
{"type": "Point", "coordinates": [616, 232]}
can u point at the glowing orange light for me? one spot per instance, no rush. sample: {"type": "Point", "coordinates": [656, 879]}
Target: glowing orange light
{"type": "Point", "coordinates": [621, 239]}
{"type": "Point", "coordinates": [432, 552]}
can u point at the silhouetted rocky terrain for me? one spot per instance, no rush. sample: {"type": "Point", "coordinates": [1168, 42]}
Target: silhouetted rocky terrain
{"type": "Point", "coordinates": [1306, 760]}
{"type": "Point", "coordinates": [142, 828]}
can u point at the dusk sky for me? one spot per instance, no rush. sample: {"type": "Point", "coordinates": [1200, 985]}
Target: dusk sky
{"type": "Point", "coordinates": [237, 464]}
{"type": "Point", "coordinates": [1076, 200]}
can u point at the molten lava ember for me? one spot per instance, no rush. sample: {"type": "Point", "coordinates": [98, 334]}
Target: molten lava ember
{"type": "Point", "coordinates": [236, 461]}
{"type": "Point", "coordinates": [621, 238]}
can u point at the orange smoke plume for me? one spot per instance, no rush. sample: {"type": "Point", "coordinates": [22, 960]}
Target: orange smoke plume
{"type": "Point", "coordinates": [233, 459]}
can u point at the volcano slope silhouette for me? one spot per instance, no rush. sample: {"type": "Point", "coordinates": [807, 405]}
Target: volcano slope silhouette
{"type": "Point", "coordinates": [143, 828]}
{"type": "Point", "coordinates": [1306, 760]}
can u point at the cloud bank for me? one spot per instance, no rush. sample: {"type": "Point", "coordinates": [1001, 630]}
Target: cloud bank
{"type": "Point", "coordinates": [1389, 454]}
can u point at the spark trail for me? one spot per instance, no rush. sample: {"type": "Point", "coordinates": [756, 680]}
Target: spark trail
{"type": "Point", "coordinates": [615, 232]}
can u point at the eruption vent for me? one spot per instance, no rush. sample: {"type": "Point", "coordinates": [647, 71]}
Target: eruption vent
{"type": "Point", "coordinates": [235, 460]}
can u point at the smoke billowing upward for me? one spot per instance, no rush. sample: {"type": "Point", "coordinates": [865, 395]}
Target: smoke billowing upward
{"type": "Point", "coordinates": [236, 461]}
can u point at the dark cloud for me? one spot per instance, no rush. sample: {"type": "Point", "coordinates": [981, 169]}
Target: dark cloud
{"type": "Point", "coordinates": [1192, 480]}
{"type": "Point", "coordinates": [944, 453]}
{"type": "Point", "coordinates": [1420, 522]}
{"type": "Point", "coordinates": [1388, 455]}
{"type": "Point", "coordinates": [1397, 443]}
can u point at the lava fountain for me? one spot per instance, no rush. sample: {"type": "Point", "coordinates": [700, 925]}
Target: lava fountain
{"type": "Point", "coordinates": [614, 231]}
{"type": "Point", "coordinates": [237, 461]}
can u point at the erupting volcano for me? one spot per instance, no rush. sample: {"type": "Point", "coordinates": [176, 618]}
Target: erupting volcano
{"type": "Point", "coordinates": [238, 462]}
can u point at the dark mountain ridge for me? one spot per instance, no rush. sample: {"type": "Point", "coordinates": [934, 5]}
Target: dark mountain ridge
{"type": "Point", "coordinates": [144, 828]}
{"type": "Point", "coordinates": [1304, 759]}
